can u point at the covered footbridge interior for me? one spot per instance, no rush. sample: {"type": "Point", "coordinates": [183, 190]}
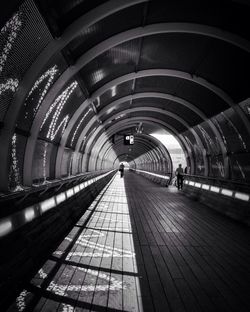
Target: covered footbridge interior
{"type": "Point", "coordinates": [76, 78]}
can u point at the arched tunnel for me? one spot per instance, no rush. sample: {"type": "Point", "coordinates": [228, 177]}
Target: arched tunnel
{"type": "Point", "coordinates": [84, 85]}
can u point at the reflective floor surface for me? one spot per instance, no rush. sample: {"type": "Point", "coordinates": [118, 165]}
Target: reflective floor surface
{"type": "Point", "coordinates": [142, 247]}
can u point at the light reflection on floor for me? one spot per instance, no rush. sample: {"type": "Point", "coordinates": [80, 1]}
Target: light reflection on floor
{"type": "Point", "coordinates": [94, 266]}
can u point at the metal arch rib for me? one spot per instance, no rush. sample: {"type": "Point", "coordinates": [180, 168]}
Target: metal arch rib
{"type": "Point", "coordinates": [113, 129]}
{"type": "Point", "coordinates": [131, 121]}
{"type": "Point", "coordinates": [159, 95]}
{"type": "Point", "coordinates": [147, 31]}
{"type": "Point", "coordinates": [140, 74]}
{"type": "Point", "coordinates": [137, 33]}
{"type": "Point", "coordinates": [117, 158]}
{"type": "Point", "coordinates": [95, 118]}
{"type": "Point", "coordinates": [174, 116]}
{"type": "Point", "coordinates": [130, 35]}
{"type": "Point", "coordinates": [148, 73]}
{"type": "Point", "coordinates": [158, 110]}
{"type": "Point", "coordinates": [103, 111]}
{"type": "Point", "coordinates": [166, 96]}
{"type": "Point", "coordinates": [127, 98]}
{"type": "Point", "coordinates": [150, 146]}
{"type": "Point", "coordinates": [145, 73]}
{"type": "Point", "coordinates": [142, 148]}
{"type": "Point", "coordinates": [155, 141]}
{"type": "Point", "coordinates": [131, 158]}
{"type": "Point", "coordinates": [150, 120]}
{"type": "Point", "coordinates": [143, 140]}
{"type": "Point", "coordinates": [123, 37]}
{"type": "Point", "coordinates": [150, 109]}
{"type": "Point", "coordinates": [165, 73]}
{"type": "Point", "coordinates": [74, 30]}
{"type": "Point", "coordinates": [83, 22]}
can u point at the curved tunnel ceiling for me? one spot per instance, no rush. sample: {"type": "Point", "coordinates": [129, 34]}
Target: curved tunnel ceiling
{"type": "Point", "coordinates": [94, 72]}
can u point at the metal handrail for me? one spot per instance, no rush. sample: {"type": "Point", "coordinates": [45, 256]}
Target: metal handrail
{"type": "Point", "coordinates": [15, 201]}
{"type": "Point", "coordinates": [233, 184]}
{"type": "Point", "coordinates": [49, 185]}
{"type": "Point", "coordinates": [218, 179]}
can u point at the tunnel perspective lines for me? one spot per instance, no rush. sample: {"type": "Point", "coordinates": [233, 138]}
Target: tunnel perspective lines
{"type": "Point", "coordinates": [76, 79]}
{"type": "Point", "coordinates": [29, 213]}
{"type": "Point", "coordinates": [94, 267]}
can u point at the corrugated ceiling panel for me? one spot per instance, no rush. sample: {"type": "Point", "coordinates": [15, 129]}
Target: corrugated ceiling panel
{"type": "Point", "coordinates": [114, 110]}
{"type": "Point", "coordinates": [218, 14]}
{"type": "Point", "coordinates": [173, 51]}
{"type": "Point", "coordinates": [227, 67]}
{"type": "Point", "coordinates": [169, 120]}
{"type": "Point", "coordinates": [191, 117]}
{"type": "Point", "coordinates": [106, 28]}
{"type": "Point", "coordinates": [205, 100]}
{"type": "Point", "coordinates": [65, 12]}
{"type": "Point", "coordinates": [113, 94]}
{"type": "Point", "coordinates": [157, 84]}
{"type": "Point", "coordinates": [116, 62]}
{"type": "Point", "coordinates": [200, 96]}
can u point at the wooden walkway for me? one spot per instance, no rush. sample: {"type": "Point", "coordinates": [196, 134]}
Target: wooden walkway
{"type": "Point", "coordinates": [142, 247]}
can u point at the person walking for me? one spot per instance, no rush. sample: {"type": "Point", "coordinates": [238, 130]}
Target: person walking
{"type": "Point", "coordinates": [179, 175]}
{"type": "Point", "coordinates": [121, 169]}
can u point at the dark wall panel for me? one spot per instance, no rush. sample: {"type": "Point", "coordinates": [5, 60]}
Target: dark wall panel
{"type": "Point", "coordinates": [60, 111]}
{"type": "Point", "coordinates": [22, 39]}
{"type": "Point", "coordinates": [41, 170]}
{"type": "Point", "coordinates": [37, 93]}
{"type": "Point", "coordinates": [79, 126]}
{"type": "Point", "coordinates": [66, 162]}
{"type": "Point", "coordinates": [16, 161]}
{"type": "Point", "coordinates": [198, 153]}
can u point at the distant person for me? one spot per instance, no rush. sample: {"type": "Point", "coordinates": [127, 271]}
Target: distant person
{"type": "Point", "coordinates": [179, 175]}
{"type": "Point", "coordinates": [121, 169]}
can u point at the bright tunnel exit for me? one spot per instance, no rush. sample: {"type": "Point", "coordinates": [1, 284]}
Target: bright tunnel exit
{"type": "Point", "coordinates": [126, 164]}
{"type": "Point", "coordinates": [173, 146]}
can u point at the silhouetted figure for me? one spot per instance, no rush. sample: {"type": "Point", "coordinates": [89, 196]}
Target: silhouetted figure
{"type": "Point", "coordinates": [179, 174]}
{"type": "Point", "coordinates": [121, 169]}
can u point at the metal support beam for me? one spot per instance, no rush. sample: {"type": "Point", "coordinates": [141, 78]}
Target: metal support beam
{"type": "Point", "coordinates": [98, 50]}
{"type": "Point", "coordinates": [54, 47]}
{"type": "Point", "coordinates": [162, 112]}
{"type": "Point", "coordinates": [123, 124]}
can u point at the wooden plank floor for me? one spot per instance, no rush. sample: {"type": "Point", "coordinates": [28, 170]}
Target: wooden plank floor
{"type": "Point", "coordinates": [142, 247]}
